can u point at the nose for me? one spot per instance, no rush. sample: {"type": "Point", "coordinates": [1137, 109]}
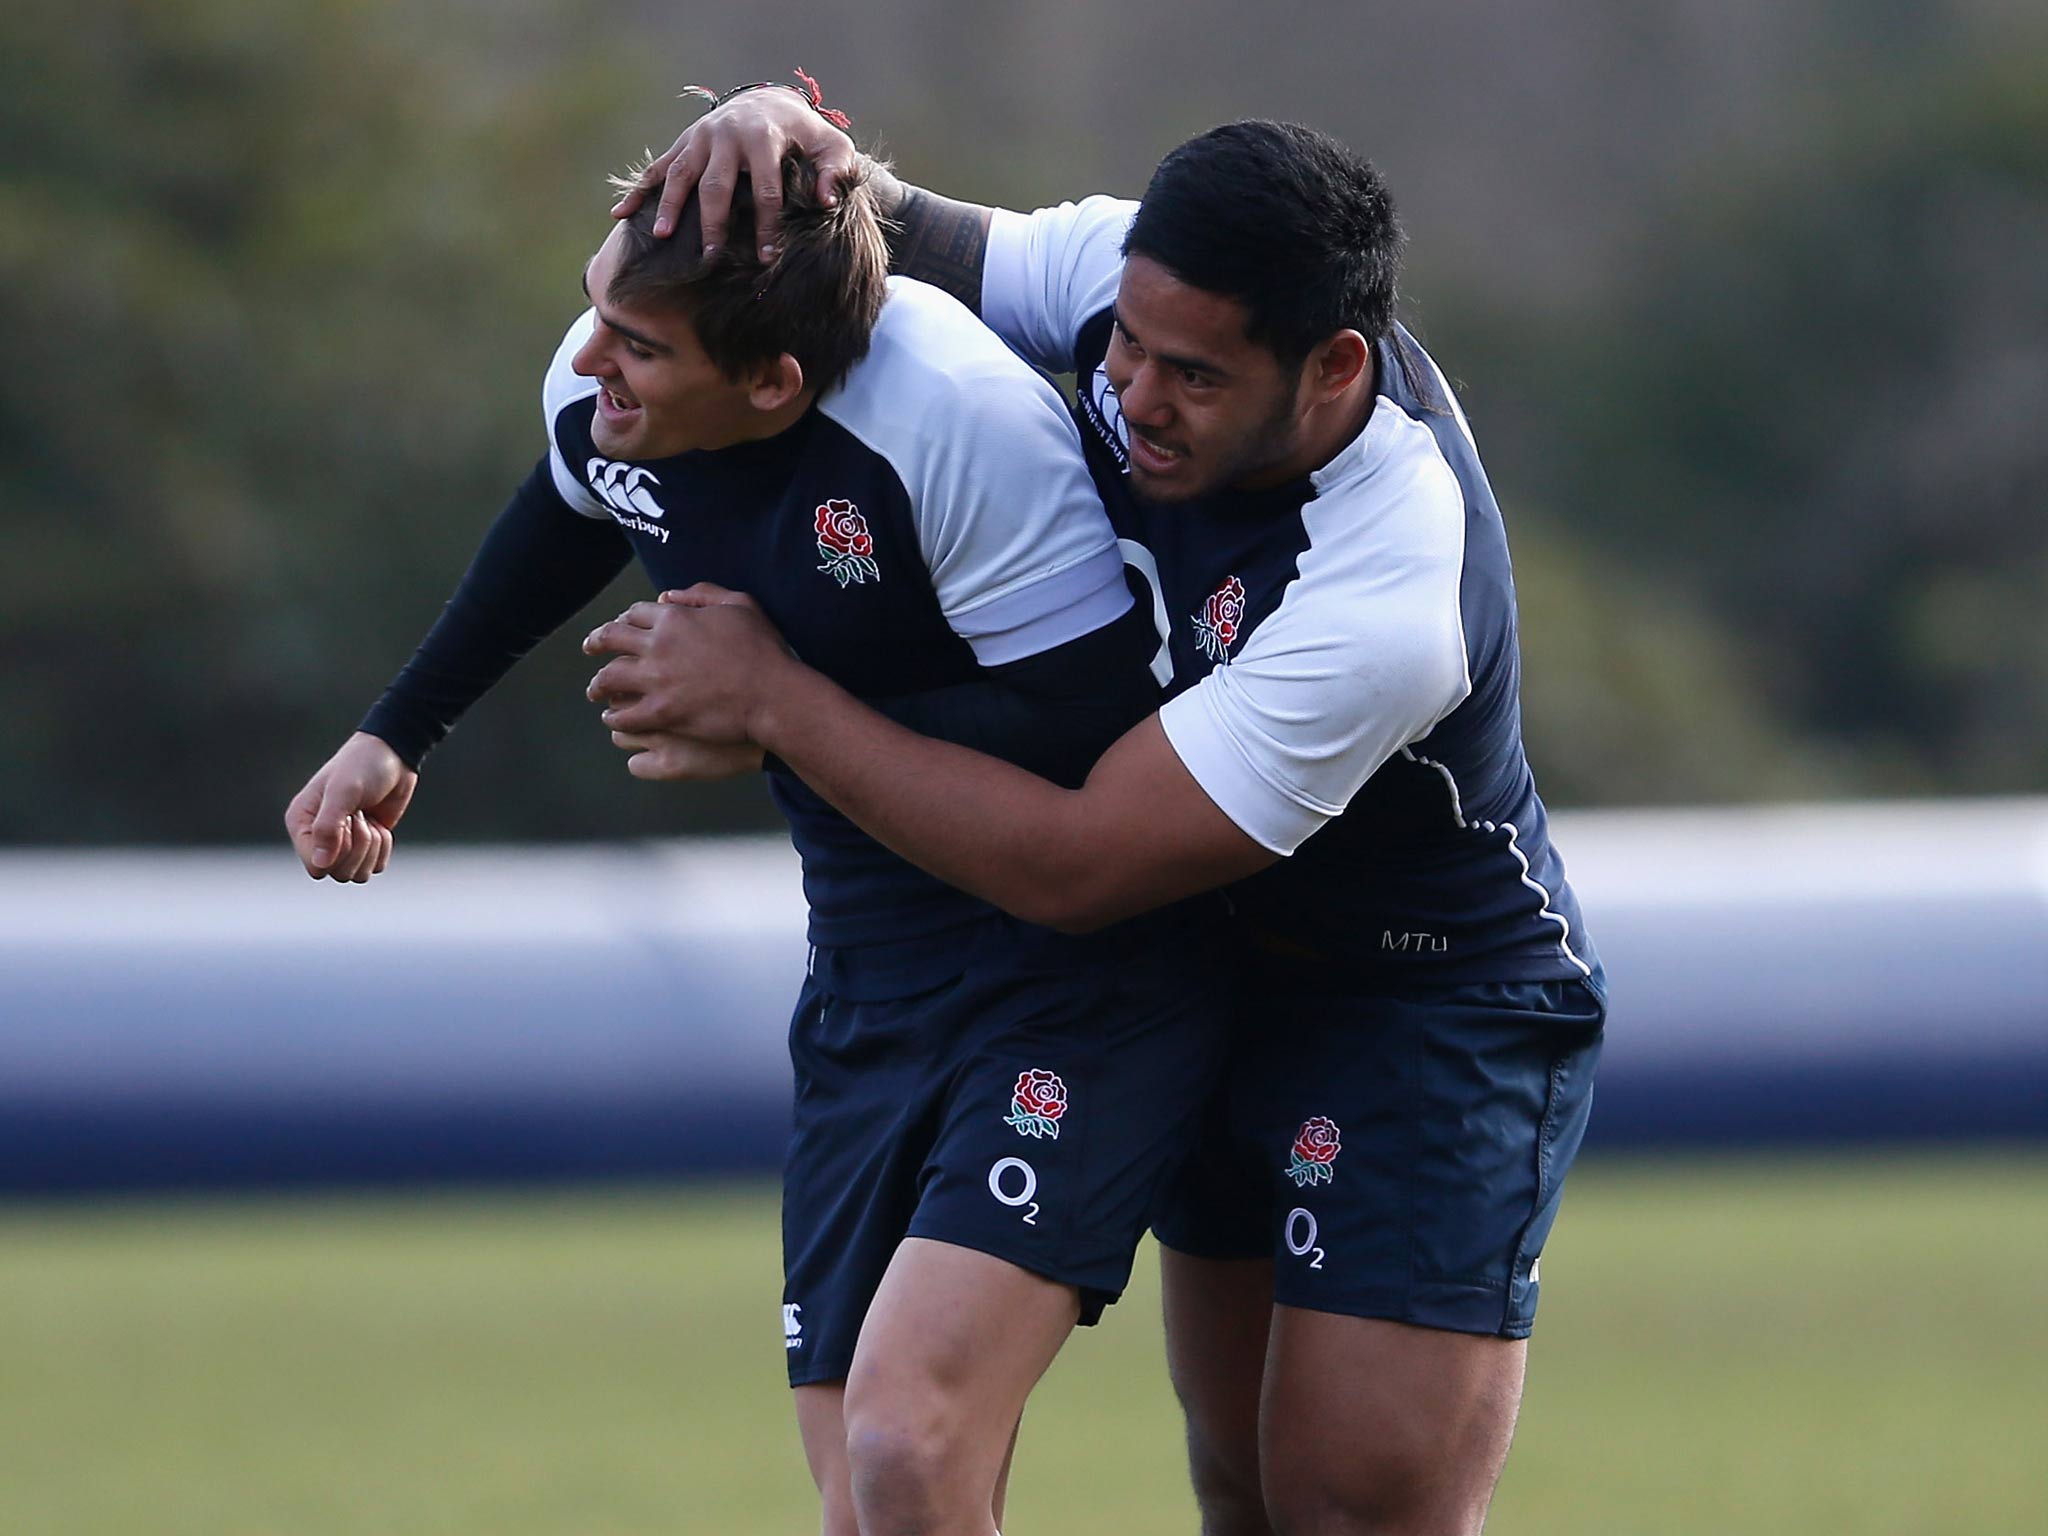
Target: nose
{"type": "Point", "coordinates": [592, 360]}
{"type": "Point", "coordinates": [1141, 397]}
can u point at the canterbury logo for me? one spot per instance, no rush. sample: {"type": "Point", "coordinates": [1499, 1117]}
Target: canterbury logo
{"type": "Point", "coordinates": [625, 488]}
{"type": "Point", "coordinates": [1107, 414]}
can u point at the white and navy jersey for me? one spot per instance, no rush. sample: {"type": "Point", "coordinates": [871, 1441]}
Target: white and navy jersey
{"type": "Point", "coordinates": [1344, 674]}
{"type": "Point", "coordinates": [930, 519]}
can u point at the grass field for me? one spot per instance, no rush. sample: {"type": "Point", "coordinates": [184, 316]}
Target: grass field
{"type": "Point", "coordinates": [1726, 1346]}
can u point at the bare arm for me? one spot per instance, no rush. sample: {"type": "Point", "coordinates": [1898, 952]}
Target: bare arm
{"type": "Point", "coordinates": [935, 239]}
{"type": "Point", "coordinates": [1140, 832]}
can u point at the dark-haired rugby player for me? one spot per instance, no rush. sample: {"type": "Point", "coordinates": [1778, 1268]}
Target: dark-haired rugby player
{"type": "Point", "coordinates": [1351, 1261]}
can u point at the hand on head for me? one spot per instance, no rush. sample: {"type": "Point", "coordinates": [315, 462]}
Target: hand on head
{"type": "Point", "coordinates": [750, 133]}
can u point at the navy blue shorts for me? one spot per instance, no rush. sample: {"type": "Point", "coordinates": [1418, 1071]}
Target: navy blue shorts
{"type": "Point", "coordinates": [1032, 1105]}
{"type": "Point", "coordinates": [1395, 1156]}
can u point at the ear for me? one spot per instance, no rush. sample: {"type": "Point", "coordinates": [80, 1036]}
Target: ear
{"type": "Point", "coordinates": [1335, 366]}
{"type": "Point", "coordinates": [775, 384]}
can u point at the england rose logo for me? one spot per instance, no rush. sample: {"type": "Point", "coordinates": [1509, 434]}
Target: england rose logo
{"type": "Point", "coordinates": [1216, 626]}
{"type": "Point", "coordinates": [846, 544]}
{"type": "Point", "coordinates": [1316, 1146]}
{"type": "Point", "coordinates": [1036, 1104]}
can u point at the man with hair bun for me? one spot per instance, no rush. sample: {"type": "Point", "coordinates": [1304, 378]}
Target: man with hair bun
{"type": "Point", "coordinates": [1350, 1260]}
{"type": "Point", "coordinates": [986, 1110]}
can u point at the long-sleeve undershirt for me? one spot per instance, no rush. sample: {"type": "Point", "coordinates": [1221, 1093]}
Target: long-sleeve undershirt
{"type": "Point", "coordinates": [537, 567]}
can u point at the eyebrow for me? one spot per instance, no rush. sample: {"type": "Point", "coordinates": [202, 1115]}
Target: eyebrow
{"type": "Point", "coordinates": [624, 330]}
{"type": "Point", "coordinates": [1192, 364]}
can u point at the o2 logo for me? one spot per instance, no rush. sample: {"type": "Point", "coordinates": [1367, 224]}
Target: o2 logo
{"type": "Point", "coordinates": [1300, 1233]}
{"type": "Point", "coordinates": [1014, 1183]}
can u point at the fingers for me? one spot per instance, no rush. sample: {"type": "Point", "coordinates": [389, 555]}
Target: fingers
{"type": "Point", "coordinates": [707, 594]}
{"type": "Point", "coordinates": [650, 177]}
{"type": "Point", "coordinates": [358, 860]}
{"type": "Point", "coordinates": [678, 180]}
{"type": "Point", "coordinates": [679, 757]}
{"type": "Point", "coordinates": [672, 759]}
{"type": "Point", "coordinates": [333, 829]}
{"type": "Point", "coordinates": [653, 765]}
{"type": "Point", "coordinates": [630, 714]}
{"type": "Point", "coordinates": [764, 170]}
{"type": "Point", "coordinates": [837, 161]}
{"type": "Point", "coordinates": [616, 682]}
{"type": "Point", "coordinates": [714, 193]}
{"type": "Point", "coordinates": [653, 176]}
{"type": "Point", "coordinates": [622, 636]}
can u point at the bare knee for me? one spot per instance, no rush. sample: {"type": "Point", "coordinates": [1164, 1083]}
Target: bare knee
{"type": "Point", "coordinates": [1227, 1492]}
{"type": "Point", "coordinates": [1223, 1468]}
{"type": "Point", "coordinates": [838, 1517]}
{"type": "Point", "coordinates": [1379, 1427]}
{"type": "Point", "coordinates": [898, 1458]}
{"type": "Point", "coordinates": [1389, 1502]}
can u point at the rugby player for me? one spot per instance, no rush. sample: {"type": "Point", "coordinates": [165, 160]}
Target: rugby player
{"type": "Point", "coordinates": [986, 1110]}
{"type": "Point", "coordinates": [1350, 1261]}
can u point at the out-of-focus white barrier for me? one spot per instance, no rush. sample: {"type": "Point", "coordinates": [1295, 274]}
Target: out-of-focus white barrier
{"type": "Point", "coordinates": [168, 1018]}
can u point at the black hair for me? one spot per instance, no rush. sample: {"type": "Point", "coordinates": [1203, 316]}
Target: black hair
{"type": "Point", "coordinates": [1285, 220]}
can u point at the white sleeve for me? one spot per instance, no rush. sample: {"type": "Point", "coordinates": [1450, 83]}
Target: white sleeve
{"type": "Point", "coordinates": [562, 386]}
{"type": "Point", "coordinates": [1047, 273]}
{"type": "Point", "coordinates": [1365, 654]}
{"type": "Point", "coordinates": [1021, 554]}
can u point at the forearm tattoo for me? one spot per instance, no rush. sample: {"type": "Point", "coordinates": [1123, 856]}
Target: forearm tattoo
{"type": "Point", "coordinates": [935, 239]}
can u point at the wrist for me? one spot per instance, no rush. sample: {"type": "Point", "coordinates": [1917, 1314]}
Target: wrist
{"type": "Point", "coordinates": [787, 696]}
{"type": "Point", "coordinates": [808, 93]}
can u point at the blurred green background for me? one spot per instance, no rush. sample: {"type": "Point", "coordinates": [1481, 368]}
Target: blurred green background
{"type": "Point", "coordinates": [1748, 302]}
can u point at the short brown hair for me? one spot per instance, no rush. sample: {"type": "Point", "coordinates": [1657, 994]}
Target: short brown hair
{"type": "Point", "coordinates": [817, 300]}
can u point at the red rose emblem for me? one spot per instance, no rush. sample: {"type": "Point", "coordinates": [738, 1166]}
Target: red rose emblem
{"type": "Point", "coordinates": [1317, 1141]}
{"type": "Point", "coordinates": [1041, 1093]}
{"type": "Point", "coordinates": [842, 530]}
{"type": "Point", "coordinates": [846, 544]}
{"type": "Point", "coordinates": [1226, 610]}
{"type": "Point", "coordinates": [1036, 1104]}
{"type": "Point", "coordinates": [1216, 626]}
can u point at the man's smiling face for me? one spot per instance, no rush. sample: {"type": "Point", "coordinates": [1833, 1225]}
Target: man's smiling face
{"type": "Point", "coordinates": [660, 395]}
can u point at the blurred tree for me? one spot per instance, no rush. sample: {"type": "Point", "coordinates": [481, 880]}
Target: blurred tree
{"type": "Point", "coordinates": [281, 285]}
{"type": "Point", "coordinates": [1817, 408]}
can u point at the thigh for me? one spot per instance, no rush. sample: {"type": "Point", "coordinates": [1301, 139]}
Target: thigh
{"type": "Point", "coordinates": [953, 1344]}
{"type": "Point", "coordinates": [1218, 1320]}
{"type": "Point", "coordinates": [1376, 1425]}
